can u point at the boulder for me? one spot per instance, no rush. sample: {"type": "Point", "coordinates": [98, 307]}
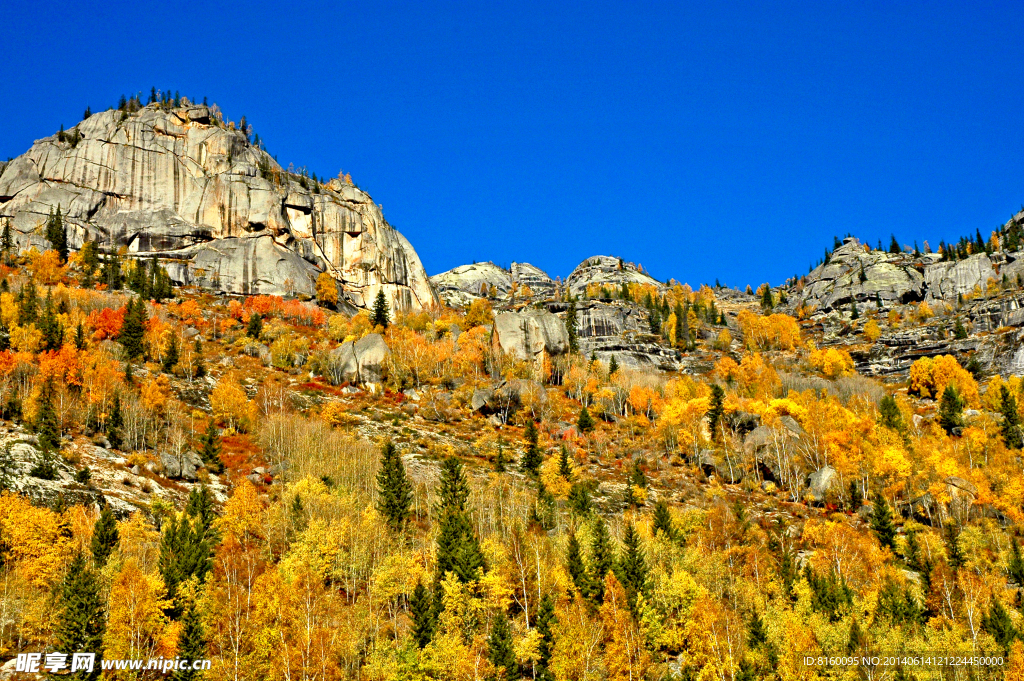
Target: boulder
{"type": "Point", "coordinates": [171, 465]}
{"type": "Point", "coordinates": [361, 361]}
{"type": "Point", "coordinates": [221, 213]}
{"type": "Point", "coordinates": [481, 400]}
{"type": "Point", "coordinates": [820, 482]}
{"type": "Point", "coordinates": [607, 271]}
{"type": "Point", "coordinates": [531, 335]}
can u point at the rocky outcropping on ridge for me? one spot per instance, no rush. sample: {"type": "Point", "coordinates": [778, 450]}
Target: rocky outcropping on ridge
{"type": "Point", "coordinates": [606, 271]}
{"type": "Point", "coordinates": [460, 285]}
{"type": "Point", "coordinates": [179, 184]}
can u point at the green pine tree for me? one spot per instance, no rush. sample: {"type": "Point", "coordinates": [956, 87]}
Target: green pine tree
{"type": "Point", "coordinates": [191, 644]}
{"type": "Point", "coordinates": [88, 261]}
{"type": "Point", "coordinates": [1015, 568]}
{"type": "Point", "coordinates": [80, 622]}
{"type": "Point", "coordinates": [104, 536]}
{"type": "Point", "coordinates": [579, 499]}
{"type": "Point", "coordinates": [635, 575]}
{"type": "Point", "coordinates": [954, 552]}
{"type": "Point", "coordinates": [381, 313]}
{"type": "Point", "coordinates": [998, 624]}
{"type": "Point", "coordinates": [854, 313]}
{"type": "Point", "coordinates": [564, 465]}
{"type": "Point", "coordinates": [716, 410]}
{"type": "Point", "coordinates": [394, 490]}
{"type": "Point", "coordinates": [613, 366]}
{"type": "Point", "coordinates": [546, 623]}
{"type": "Point", "coordinates": [28, 303]}
{"type": "Point", "coordinates": [602, 559]}
{"type": "Point", "coordinates": [134, 329]}
{"type": "Point", "coordinates": [170, 357]}
{"type": "Point", "coordinates": [889, 414]}
{"type": "Point", "coordinates": [571, 326]}
{"type": "Point", "coordinates": [210, 448]}
{"type": "Point", "coordinates": [767, 302]}
{"type": "Point", "coordinates": [585, 423]}
{"type": "Point", "coordinates": [48, 434]}
{"type": "Point", "coordinates": [577, 568]}
{"type": "Point", "coordinates": [663, 520]}
{"type": "Point", "coordinates": [7, 242]}
{"type": "Point", "coordinates": [53, 332]}
{"type": "Point", "coordinates": [951, 409]}
{"type": "Point", "coordinates": [881, 522]}
{"type": "Point", "coordinates": [199, 506]}
{"type": "Point", "coordinates": [421, 610]}
{"type": "Point", "coordinates": [254, 329]}
{"type": "Point", "coordinates": [894, 246]}
{"type": "Point", "coordinates": [184, 553]}
{"type": "Point", "coordinates": [500, 651]}
{"type": "Point", "coordinates": [1010, 426]}
{"type": "Point", "coordinates": [458, 549]}
{"type": "Point", "coordinates": [533, 457]}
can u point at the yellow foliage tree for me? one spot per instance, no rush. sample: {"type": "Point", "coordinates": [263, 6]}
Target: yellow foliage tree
{"type": "Point", "coordinates": [326, 289]}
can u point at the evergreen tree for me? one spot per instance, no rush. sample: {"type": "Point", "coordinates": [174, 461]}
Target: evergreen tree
{"type": "Point", "coordinates": [954, 552]}
{"type": "Point", "coordinates": [170, 357]}
{"type": "Point", "coordinates": [889, 414]}
{"type": "Point", "coordinates": [577, 569]}
{"type": "Point", "coordinates": [544, 508]}
{"type": "Point", "coordinates": [856, 498]}
{"type": "Point", "coordinates": [422, 616]}
{"type": "Point", "coordinates": [56, 234]}
{"type": "Point", "coordinates": [894, 246]}
{"type": "Point", "coordinates": [767, 302]}
{"type": "Point", "coordinates": [6, 241]}
{"type": "Point", "coordinates": [111, 272]}
{"type": "Point", "coordinates": [394, 490]}
{"type": "Point", "coordinates": [602, 558]}
{"type": "Point", "coordinates": [104, 536]}
{"type": "Point", "coordinates": [53, 332]}
{"type": "Point", "coordinates": [255, 327]}
{"type": "Point", "coordinates": [199, 506]}
{"type": "Point", "coordinates": [115, 423]}
{"type": "Point", "coordinates": [184, 553]}
{"type": "Point", "coordinates": [546, 623]}
{"type": "Point", "coordinates": [1015, 568]}
{"type": "Point", "coordinates": [500, 460]}
{"type": "Point", "coordinates": [88, 261]}
{"type": "Point", "coordinates": [1010, 426]}
{"type": "Point", "coordinates": [134, 329]}
{"type": "Point", "coordinates": [500, 652]}
{"type": "Point", "coordinates": [381, 315]}
{"type": "Point", "coordinates": [210, 449]}
{"type": "Point", "coordinates": [999, 625]}
{"type": "Point", "coordinates": [48, 434]}
{"type": "Point", "coordinates": [757, 634]}
{"type": "Point", "coordinates": [579, 499]}
{"type": "Point", "coordinates": [635, 575]}
{"type": "Point", "coordinates": [8, 469]}
{"type": "Point", "coordinates": [564, 466]}
{"type": "Point", "coordinates": [881, 522]}
{"type": "Point", "coordinates": [585, 423]}
{"type": "Point", "coordinates": [458, 549]}
{"type": "Point", "coordinates": [28, 304]}
{"type": "Point", "coordinates": [570, 326]}
{"type": "Point", "coordinates": [663, 520]}
{"type": "Point", "coordinates": [532, 458]}
{"type": "Point", "coordinates": [854, 313]}
{"type": "Point", "coordinates": [80, 622]}
{"type": "Point", "coordinates": [191, 644]}
{"type": "Point", "coordinates": [613, 366]}
{"type": "Point", "coordinates": [682, 328]}
{"type": "Point", "coordinates": [80, 342]}
{"type": "Point", "coordinates": [716, 410]}
{"type": "Point", "coordinates": [654, 322]}
{"type": "Point", "coordinates": [951, 409]}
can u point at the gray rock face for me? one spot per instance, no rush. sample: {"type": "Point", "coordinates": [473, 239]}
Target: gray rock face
{"type": "Point", "coordinates": [821, 482]}
{"type": "Point", "coordinates": [606, 270]}
{"type": "Point", "coordinates": [619, 329]}
{"type": "Point", "coordinates": [459, 286]}
{"type": "Point", "coordinates": [179, 184]}
{"type": "Point", "coordinates": [530, 335]}
{"type": "Point", "coordinates": [901, 278]}
{"type": "Point", "coordinates": [361, 361]}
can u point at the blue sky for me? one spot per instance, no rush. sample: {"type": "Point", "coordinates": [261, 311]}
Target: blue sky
{"type": "Point", "coordinates": [703, 140]}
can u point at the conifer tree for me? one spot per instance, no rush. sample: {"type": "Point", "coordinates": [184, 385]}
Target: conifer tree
{"type": "Point", "coordinates": [544, 508]}
{"type": "Point", "coordinates": [716, 410]}
{"type": "Point", "coordinates": [56, 234]}
{"type": "Point", "coordinates": [532, 458]}
{"type": "Point", "coordinates": [104, 536]}
{"type": "Point", "coordinates": [28, 303]}
{"type": "Point", "coordinates": [635, 576]}
{"type": "Point", "coordinates": [500, 652]}
{"type": "Point", "coordinates": [422, 616]}
{"type": "Point", "coordinates": [613, 366]}
{"type": "Point", "coordinates": [134, 329]}
{"type": "Point", "coordinates": [6, 242]}
{"type": "Point", "coordinates": [854, 313]}
{"type": "Point", "coordinates": [585, 423]}
{"type": "Point", "coordinates": [577, 569]}
{"type": "Point", "coordinates": [80, 622]}
{"type": "Point", "coordinates": [663, 520]}
{"type": "Point", "coordinates": [881, 522]}
{"type": "Point", "coordinates": [184, 553]}
{"type": "Point", "coordinates": [170, 357]}
{"type": "Point", "coordinates": [88, 260]}
{"type": "Point", "coordinates": [1010, 426]}
{"type": "Point", "coordinates": [889, 414]}
{"type": "Point", "coordinates": [954, 552]}
{"type": "Point", "coordinates": [381, 314]}
{"type": "Point", "coordinates": [254, 329]}
{"type": "Point", "coordinates": [546, 623]}
{"type": "Point", "coordinates": [458, 549]}
{"type": "Point", "coordinates": [951, 408]}
{"type": "Point", "coordinates": [654, 321]}
{"type": "Point", "coordinates": [998, 624]}
{"type": "Point", "coordinates": [564, 466]}
{"type": "Point", "coordinates": [894, 246]}
{"type": "Point", "coordinates": [394, 490]}
{"type": "Point", "coordinates": [111, 272]}
{"type": "Point", "coordinates": [191, 644]}
{"type": "Point", "coordinates": [570, 326]}
{"type": "Point", "coordinates": [757, 634]}
{"type": "Point", "coordinates": [53, 332]}
{"type": "Point", "coordinates": [1015, 568]}
{"type": "Point", "coordinates": [210, 448]}
{"type": "Point", "coordinates": [579, 499]}
{"type": "Point", "coordinates": [80, 342]}
{"type": "Point", "coordinates": [767, 302]}
{"type": "Point", "coordinates": [48, 434]}
{"type": "Point", "coordinates": [602, 558]}
{"type": "Point", "coordinates": [199, 506]}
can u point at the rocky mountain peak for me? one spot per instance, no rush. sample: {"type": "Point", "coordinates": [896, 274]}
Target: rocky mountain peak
{"type": "Point", "coordinates": [177, 183]}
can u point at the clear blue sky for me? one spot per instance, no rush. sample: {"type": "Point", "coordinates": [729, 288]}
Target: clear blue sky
{"type": "Point", "coordinates": [703, 140]}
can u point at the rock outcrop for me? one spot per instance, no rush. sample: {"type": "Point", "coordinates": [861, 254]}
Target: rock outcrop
{"type": "Point", "coordinates": [360, 361]}
{"type": "Point", "coordinates": [179, 184]}
{"type": "Point", "coordinates": [459, 286]}
{"type": "Point", "coordinates": [606, 271]}
{"type": "Point", "coordinates": [619, 329]}
{"type": "Point", "coordinates": [856, 273]}
{"type": "Point", "coordinates": [531, 335]}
